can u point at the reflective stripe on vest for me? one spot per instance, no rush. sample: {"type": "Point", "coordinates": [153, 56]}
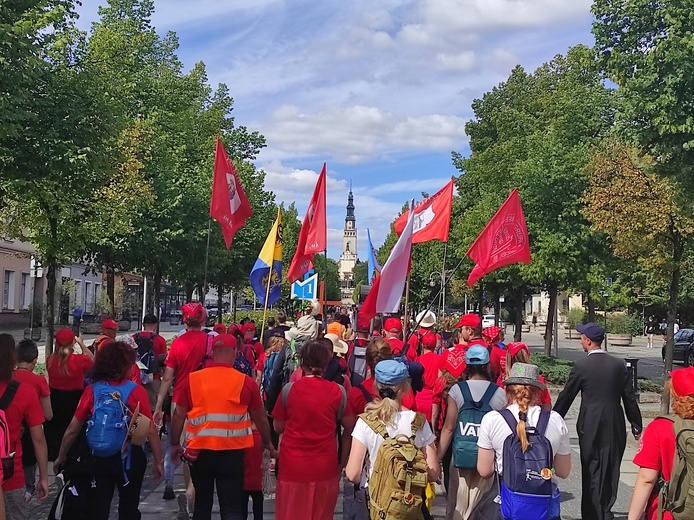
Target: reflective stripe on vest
{"type": "Point", "coordinates": [217, 420]}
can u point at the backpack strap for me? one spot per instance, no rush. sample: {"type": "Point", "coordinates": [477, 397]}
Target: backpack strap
{"type": "Point", "coordinates": [285, 394]}
{"type": "Point", "coordinates": [376, 425]}
{"type": "Point", "coordinates": [489, 394]}
{"type": "Point", "coordinates": [542, 422]}
{"type": "Point", "coordinates": [366, 393]}
{"type": "Point", "coordinates": [417, 423]}
{"type": "Point", "coordinates": [9, 394]}
{"type": "Point", "coordinates": [465, 390]}
{"type": "Point", "coordinates": [343, 403]}
{"type": "Point", "coordinates": [486, 397]}
{"type": "Point", "coordinates": [510, 419]}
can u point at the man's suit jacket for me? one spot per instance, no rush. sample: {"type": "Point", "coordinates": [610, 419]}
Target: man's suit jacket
{"type": "Point", "coordinates": [604, 383]}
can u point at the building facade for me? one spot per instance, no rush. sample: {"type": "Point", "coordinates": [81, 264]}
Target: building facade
{"type": "Point", "coordinates": [348, 258]}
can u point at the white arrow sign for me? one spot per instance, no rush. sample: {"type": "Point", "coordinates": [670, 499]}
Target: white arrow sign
{"type": "Point", "coordinates": [305, 290]}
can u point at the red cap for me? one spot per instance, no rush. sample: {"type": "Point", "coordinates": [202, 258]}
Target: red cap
{"type": "Point", "coordinates": [235, 330]}
{"type": "Point", "coordinates": [64, 337]}
{"type": "Point", "coordinates": [392, 325]}
{"type": "Point", "coordinates": [683, 381]}
{"type": "Point", "coordinates": [429, 340]}
{"type": "Point", "coordinates": [469, 320]}
{"type": "Point", "coordinates": [515, 348]}
{"type": "Point", "coordinates": [219, 328]}
{"type": "Point", "coordinates": [363, 325]}
{"type": "Point", "coordinates": [491, 334]}
{"type": "Point", "coordinates": [224, 341]}
{"type": "Point", "coordinates": [109, 324]}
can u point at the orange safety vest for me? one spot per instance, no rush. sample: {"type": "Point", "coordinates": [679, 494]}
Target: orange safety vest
{"type": "Point", "coordinates": [217, 420]}
{"type": "Point", "coordinates": [335, 327]}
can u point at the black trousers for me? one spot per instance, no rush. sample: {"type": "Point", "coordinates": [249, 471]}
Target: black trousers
{"type": "Point", "coordinates": [257, 497]}
{"type": "Point", "coordinates": [225, 469]}
{"type": "Point", "coordinates": [600, 481]}
{"type": "Point", "coordinates": [108, 473]}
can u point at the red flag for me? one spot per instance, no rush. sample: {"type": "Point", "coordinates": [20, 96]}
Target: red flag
{"type": "Point", "coordinates": [503, 241]}
{"type": "Point", "coordinates": [386, 290]}
{"type": "Point", "coordinates": [432, 217]}
{"type": "Point", "coordinates": [313, 237]}
{"type": "Point", "coordinates": [228, 203]}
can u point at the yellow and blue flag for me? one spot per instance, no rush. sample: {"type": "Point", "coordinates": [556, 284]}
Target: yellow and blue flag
{"type": "Point", "coordinates": [266, 275]}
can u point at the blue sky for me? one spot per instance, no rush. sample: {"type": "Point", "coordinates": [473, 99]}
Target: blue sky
{"type": "Point", "coordinates": [380, 90]}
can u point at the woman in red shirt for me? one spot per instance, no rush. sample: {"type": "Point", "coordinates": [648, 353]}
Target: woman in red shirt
{"type": "Point", "coordinates": [113, 365]}
{"type": "Point", "coordinates": [306, 416]}
{"type": "Point", "coordinates": [66, 374]}
{"type": "Point", "coordinates": [431, 362]}
{"type": "Point", "coordinates": [656, 453]}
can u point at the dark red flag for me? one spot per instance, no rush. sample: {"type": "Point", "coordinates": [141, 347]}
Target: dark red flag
{"type": "Point", "coordinates": [432, 217]}
{"type": "Point", "coordinates": [503, 241]}
{"type": "Point", "coordinates": [228, 203]}
{"type": "Point", "coordinates": [313, 237]}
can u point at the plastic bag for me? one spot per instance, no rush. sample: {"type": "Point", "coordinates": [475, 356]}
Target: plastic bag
{"type": "Point", "coordinates": [269, 479]}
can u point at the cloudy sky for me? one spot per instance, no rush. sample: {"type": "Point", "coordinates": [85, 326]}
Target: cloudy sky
{"type": "Point", "coordinates": [380, 90]}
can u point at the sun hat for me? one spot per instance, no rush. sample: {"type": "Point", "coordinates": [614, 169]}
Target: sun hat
{"type": "Point", "coordinates": [138, 428]}
{"type": "Point", "coordinates": [683, 381]}
{"type": "Point", "coordinates": [515, 347]}
{"type": "Point", "coordinates": [476, 355]}
{"type": "Point", "coordinates": [64, 337]}
{"type": "Point", "coordinates": [127, 339]}
{"type": "Point", "coordinates": [469, 320]}
{"type": "Point", "coordinates": [426, 319]}
{"type": "Point", "coordinates": [392, 325]}
{"type": "Point", "coordinates": [339, 346]}
{"type": "Point", "coordinates": [391, 372]}
{"type": "Point", "coordinates": [524, 374]}
{"type": "Point", "coordinates": [592, 331]}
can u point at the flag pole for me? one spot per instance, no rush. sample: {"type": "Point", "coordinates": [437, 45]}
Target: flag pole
{"type": "Point", "coordinates": [267, 296]}
{"type": "Point", "coordinates": [207, 259]}
{"type": "Point", "coordinates": [406, 325]}
{"type": "Point", "coordinates": [443, 281]}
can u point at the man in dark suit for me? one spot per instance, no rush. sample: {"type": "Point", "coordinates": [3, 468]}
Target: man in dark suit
{"type": "Point", "coordinates": [603, 381]}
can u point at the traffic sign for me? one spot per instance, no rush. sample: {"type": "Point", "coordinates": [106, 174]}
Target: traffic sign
{"type": "Point", "coordinates": [305, 289]}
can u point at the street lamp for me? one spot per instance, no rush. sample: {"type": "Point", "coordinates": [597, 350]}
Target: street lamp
{"type": "Point", "coordinates": [441, 275]}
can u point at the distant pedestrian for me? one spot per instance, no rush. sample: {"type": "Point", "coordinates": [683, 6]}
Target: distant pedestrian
{"type": "Point", "coordinates": [649, 330]}
{"type": "Point", "coordinates": [109, 330]}
{"type": "Point", "coordinates": [603, 383]}
{"type": "Point", "coordinates": [77, 319]}
{"type": "Point", "coordinates": [431, 362]}
{"type": "Point", "coordinates": [663, 330]}
{"type": "Point", "coordinates": [534, 321]}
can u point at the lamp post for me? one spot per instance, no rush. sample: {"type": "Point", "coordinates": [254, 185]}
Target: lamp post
{"type": "Point", "coordinates": [442, 281]}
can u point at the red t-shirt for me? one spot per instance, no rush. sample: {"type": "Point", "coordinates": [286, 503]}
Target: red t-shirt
{"type": "Point", "coordinates": [71, 376]}
{"type": "Point", "coordinates": [357, 399]}
{"type": "Point", "coordinates": [257, 347]}
{"type": "Point", "coordinates": [250, 393]}
{"type": "Point", "coordinates": [260, 365]}
{"type": "Point", "coordinates": [308, 450]}
{"type": "Point", "coordinates": [159, 344]}
{"type": "Point", "coordinates": [35, 381]}
{"type": "Point", "coordinates": [657, 451]}
{"type": "Point", "coordinates": [85, 408]}
{"type": "Point", "coordinates": [253, 464]}
{"type": "Point", "coordinates": [432, 363]}
{"type": "Point", "coordinates": [396, 346]}
{"type": "Point", "coordinates": [185, 357]}
{"type": "Point", "coordinates": [25, 407]}
{"type": "Point", "coordinates": [497, 361]}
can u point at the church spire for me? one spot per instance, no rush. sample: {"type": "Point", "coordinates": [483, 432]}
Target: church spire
{"type": "Point", "coordinates": [350, 204]}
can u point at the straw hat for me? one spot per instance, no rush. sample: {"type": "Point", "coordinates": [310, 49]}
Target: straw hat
{"type": "Point", "coordinates": [138, 428]}
{"type": "Point", "coordinates": [339, 346]}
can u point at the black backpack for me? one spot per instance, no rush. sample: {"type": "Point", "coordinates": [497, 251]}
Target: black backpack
{"type": "Point", "coordinates": [145, 351]}
{"type": "Point", "coordinates": [357, 361]}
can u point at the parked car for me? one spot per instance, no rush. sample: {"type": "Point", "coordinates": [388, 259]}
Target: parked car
{"type": "Point", "coordinates": [683, 351]}
{"type": "Point", "coordinates": [487, 321]}
{"type": "Point", "coordinates": [175, 317]}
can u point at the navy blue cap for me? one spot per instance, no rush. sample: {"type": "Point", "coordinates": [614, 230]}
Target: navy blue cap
{"type": "Point", "coordinates": [592, 331]}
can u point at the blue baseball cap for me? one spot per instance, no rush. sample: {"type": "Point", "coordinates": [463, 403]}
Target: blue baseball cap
{"type": "Point", "coordinates": [391, 372]}
{"type": "Point", "coordinates": [592, 331]}
{"type": "Point", "coordinates": [477, 355]}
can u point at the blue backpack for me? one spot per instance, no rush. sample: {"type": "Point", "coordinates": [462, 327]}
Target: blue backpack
{"type": "Point", "coordinates": [267, 370]}
{"type": "Point", "coordinates": [242, 364]}
{"type": "Point", "coordinates": [469, 419]}
{"type": "Point", "coordinates": [107, 428]}
{"type": "Point", "coordinates": [528, 491]}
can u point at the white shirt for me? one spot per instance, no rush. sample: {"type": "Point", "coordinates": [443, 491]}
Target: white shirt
{"type": "Point", "coordinates": [494, 430]}
{"type": "Point", "coordinates": [372, 440]}
{"type": "Point", "coordinates": [477, 388]}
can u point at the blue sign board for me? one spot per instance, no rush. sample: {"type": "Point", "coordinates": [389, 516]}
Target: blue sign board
{"type": "Point", "coordinates": [306, 289]}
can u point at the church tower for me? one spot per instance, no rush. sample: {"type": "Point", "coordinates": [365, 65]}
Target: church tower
{"type": "Point", "coordinates": [348, 259]}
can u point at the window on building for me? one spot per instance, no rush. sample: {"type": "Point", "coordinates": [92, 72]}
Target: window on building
{"type": "Point", "coordinates": [78, 294]}
{"type": "Point", "coordinates": [8, 291]}
{"type": "Point", "coordinates": [87, 295]}
{"type": "Point", "coordinates": [24, 295]}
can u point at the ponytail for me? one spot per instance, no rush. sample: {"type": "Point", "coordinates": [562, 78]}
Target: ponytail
{"type": "Point", "coordinates": [524, 396]}
{"type": "Point", "coordinates": [386, 408]}
{"type": "Point", "coordinates": [64, 354]}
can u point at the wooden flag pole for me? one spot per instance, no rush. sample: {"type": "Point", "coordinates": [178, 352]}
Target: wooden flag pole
{"type": "Point", "coordinates": [267, 295]}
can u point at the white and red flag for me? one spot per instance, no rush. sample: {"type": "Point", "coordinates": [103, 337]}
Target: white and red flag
{"type": "Point", "coordinates": [503, 241]}
{"type": "Point", "coordinates": [386, 290]}
{"type": "Point", "coordinates": [432, 217]}
{"type": "Point", "coordinates": [228, 203]}
{"type": "Point", "coordinates": [313, 237]}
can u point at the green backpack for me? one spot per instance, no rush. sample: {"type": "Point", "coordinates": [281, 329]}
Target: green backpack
{"type": "Point", "coordinates": [675, 495]}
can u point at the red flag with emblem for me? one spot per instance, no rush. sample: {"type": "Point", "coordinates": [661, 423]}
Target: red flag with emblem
{"type": "Point", "coordinates": [228, 203]}
{"type": "Point", "coordinates": [432, 217]}
{"type": "Point", "coordinates": [503, 241]}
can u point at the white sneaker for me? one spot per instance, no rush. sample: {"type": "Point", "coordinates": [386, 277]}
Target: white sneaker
{"type": "Point", "coordinates": [59, 481]}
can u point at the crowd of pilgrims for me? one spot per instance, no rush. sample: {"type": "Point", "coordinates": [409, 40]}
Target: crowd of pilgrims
{"type": "Point", "coordinates": [343, 370]}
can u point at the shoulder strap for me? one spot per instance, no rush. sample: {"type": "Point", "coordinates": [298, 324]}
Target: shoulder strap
{"type": "Point", "coordinates": [366, 393]}
{"type": "Point", "coordinates": [465, 390]}
{"type": "Point", "coordinates": [9, 394]}
{"type": "Point", "coordinates": [417, 423]}
{"type": "Point", "coordinates": [404, 350]}
{"type": "Point", "coordinates": [510, 419]}
{"type": "Point", "coordinates": [489, 393]}
{"type": "Point", "coordinates": [376, 425]}
{"type": "Point", "coordinates": [542, 422]}
{"type": "Point", "coordinates": [343, 403]}
{"type": "Point", "coordinates": [136, 336]}
{"type": "Point", "coordinates": [285, 394]}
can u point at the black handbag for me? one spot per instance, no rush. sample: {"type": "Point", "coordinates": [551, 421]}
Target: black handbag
{"type": "Point", "coordinates": [489, 506]}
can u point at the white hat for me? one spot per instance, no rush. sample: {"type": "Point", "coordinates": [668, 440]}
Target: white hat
{"type": "Point", "coordinates": [426, 319]}
{"type": "Point", "coordinates": [339, 346]}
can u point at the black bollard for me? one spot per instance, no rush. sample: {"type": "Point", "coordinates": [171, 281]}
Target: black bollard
{"type": "Point", "coordinates": [633, 371]}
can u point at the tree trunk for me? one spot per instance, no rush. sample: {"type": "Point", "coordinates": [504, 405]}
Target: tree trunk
{"type": "Point", "coordinates": [50, 302]}
{"type": "Point", "coordinates": [220, 291]}
{"type": "Point", "coordinates": [156, 294]}
{"type": "Point", "coordinates": [518, 332]}
{"type": "Point", "coordinates": [111, 290]}
{"type": "Point", "coordinates": [189, 291]}
{"type": "Point", "coordinates": [549, 326]}
{"type": "Point", "coordinates": [591, 308]}
{"type": "Point", "coordinates": [672, 316]}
